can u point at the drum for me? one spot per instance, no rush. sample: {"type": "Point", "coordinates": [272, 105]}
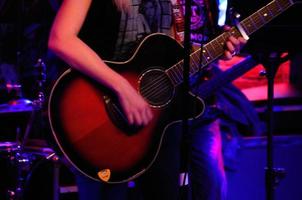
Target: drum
{"type": "Point", "coordinates": [7, 168]}
{"type": "Point", "coordinates": [32, 170]}
{"type": "Point", "coordinates": [47, 173]}
{"type": "Point", "coordinates": [39, 180]}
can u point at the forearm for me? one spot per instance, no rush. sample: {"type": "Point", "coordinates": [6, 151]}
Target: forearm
{"type": "Point", "coordinates": [82, 58]}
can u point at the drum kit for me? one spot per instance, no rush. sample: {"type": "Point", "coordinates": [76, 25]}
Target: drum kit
{"type": "Point", "coordinates": [22, 155]}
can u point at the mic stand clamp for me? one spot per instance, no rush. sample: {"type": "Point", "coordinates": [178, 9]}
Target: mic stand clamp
{"type": "Point", "coordinates": [277, 174]}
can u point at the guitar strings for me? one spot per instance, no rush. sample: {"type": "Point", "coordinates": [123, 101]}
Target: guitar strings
{"type": "Point", "coordinates": [144, 89]}
{"type": "Point", "coordinates": [152, 90]}
{"type": "Point", "coordinates": [177, 78]}
{"type": "Point", "coordinates": [156, 89]}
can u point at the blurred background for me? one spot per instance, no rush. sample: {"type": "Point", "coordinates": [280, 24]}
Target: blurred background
{"type": "Point", "coordinates": [28, 68]}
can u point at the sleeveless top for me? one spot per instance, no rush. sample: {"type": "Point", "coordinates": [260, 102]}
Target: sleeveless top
{"type": "Point", "coordinates": [100, 28]}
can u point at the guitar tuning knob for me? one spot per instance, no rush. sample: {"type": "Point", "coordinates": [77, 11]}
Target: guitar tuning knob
{"type": "Point", "coordinates": [235, 16]}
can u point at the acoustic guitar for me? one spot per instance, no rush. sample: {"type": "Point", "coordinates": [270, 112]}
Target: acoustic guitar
{"type": "Point", "coordinates": [89, 125]}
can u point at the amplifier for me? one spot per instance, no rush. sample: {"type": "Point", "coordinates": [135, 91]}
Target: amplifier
{"type": "Point", "coordinates": [248, 180]}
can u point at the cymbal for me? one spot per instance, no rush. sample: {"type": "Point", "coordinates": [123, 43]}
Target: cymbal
{"type": "Point", "coordinates": [8, 146]}
{"type": "Point", "coordinates": [16, 106]}
{"type": "Point", "coordinates": [41, 151]}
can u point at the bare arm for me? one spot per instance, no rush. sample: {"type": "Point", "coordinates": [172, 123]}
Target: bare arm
{"type": "Point", "coordinates": [66, 44]}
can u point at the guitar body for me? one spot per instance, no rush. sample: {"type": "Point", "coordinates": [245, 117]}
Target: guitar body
{"type": "Point", "coordinates": [89, 125]}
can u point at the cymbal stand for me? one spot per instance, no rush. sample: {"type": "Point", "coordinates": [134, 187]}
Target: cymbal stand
{"type": "Point", "coordinates": [39, 102]}
{"type": "Point", "coordinates": [24, 160]}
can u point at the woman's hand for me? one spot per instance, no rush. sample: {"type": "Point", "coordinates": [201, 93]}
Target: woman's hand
{"type": "Point", "coordinates": [233, 45]}
{"type": "Point", "coordinates": [137, 110]}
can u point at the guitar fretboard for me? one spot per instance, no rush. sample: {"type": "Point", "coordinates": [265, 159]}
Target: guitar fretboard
{"type": "Point", "coordinates": [215, 48]}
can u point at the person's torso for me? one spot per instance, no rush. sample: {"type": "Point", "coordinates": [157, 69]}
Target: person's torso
{"type": "Point", "coordinates": [113, 34]}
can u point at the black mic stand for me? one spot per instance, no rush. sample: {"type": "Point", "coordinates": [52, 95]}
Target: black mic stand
{"type": "Point", "coordinates": [272, 175]}
{"type": "Point", "coordinates": [186, 87]}
{"type": "Point", "coordinates": [186, 67]}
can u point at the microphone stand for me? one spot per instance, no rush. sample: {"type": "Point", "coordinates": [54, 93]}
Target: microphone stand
{"type": "Point", "coordinates": [272, 174]}
{"type": "Point", "coordinates": [186, 87]}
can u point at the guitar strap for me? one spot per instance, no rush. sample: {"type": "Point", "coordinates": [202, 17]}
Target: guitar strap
{"type": "Point", "coordinates": [178, 18]}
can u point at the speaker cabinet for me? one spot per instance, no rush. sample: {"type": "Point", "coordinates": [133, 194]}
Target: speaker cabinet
{"type": "Point", "coordinates": [247, 182]}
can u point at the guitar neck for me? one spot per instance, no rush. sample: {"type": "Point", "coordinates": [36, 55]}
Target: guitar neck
{"type": "Point", "coordinates": [215, 48]}
{"type": "Point", "coordinates": [264, 15]}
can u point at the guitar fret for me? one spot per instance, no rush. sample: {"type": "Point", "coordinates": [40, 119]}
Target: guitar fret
{"type": "Point", "coordinates": [249, 25]}
{"type": "Point", "coordinates": [205, 55]}
{"type": "Point", "coordinates": [264, 17]}
{"type": "Point", "coordinates": [226, 35]}
{"type": "Point", "coordinates": [274, 8]}
{"type": "Point", "coordinates": [217, 45]}
{"type": "Point", "coordinates": [221, 41]}
{"type": "Point", "coordinates": [259, 19]}
{"type": "Point", "coordinates": [210, 49]}
{"type": "Point", "coordinates": [172, 76]}
{"type": "Point", "coordinates": [243, 25]}
{"type": "Point", "coordinates": [193, 65]}
{"type": "Point", "coordinates": [268, 8]}
{"type": "Point", "coordinates": [196, 57]}
{"type": "Point", "coordinates": [265, 13]}
{"type": "Point", "coordinates": [285, 3]}
{"type": "Point", "coordinates": [201, 61]}
{"type": "Point", "coordinates": [277, 3]}
{"type": "Point", "coordinates": [217, 48]}
{"type": "Point", "coordinates": [234, 32]}
{"type": "Point", "coordinates": [201, 56]}
{"type": "Point", "coordinates": [179, 71]}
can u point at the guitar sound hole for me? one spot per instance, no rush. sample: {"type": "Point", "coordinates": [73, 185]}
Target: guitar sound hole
{"type": "Point", "coordinates": [156, 87]}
